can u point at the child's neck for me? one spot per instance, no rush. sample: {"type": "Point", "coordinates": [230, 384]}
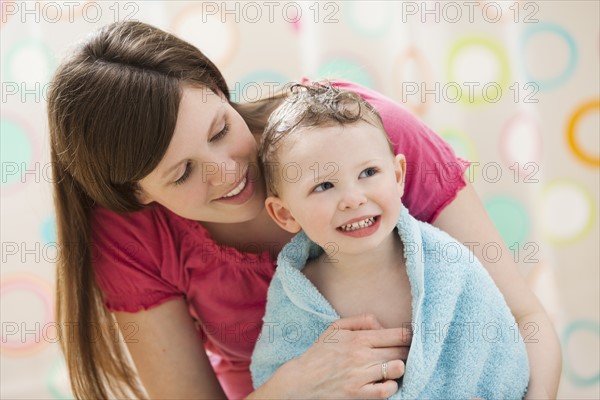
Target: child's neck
{"type": "Point", "coordinates": [374, 282]}
{"type": "Point", "coordinates": [389, 255]}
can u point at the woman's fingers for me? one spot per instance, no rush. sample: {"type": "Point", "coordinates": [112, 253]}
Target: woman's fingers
{"type": "Point", "coordinates": [346, 361]}
{"type": "Point", "coordinates": [358, 323]}
{"type": "Point", "coordinates": [387, 337]}
{"type": "Point", "coordinates": [373, 334]}
{"type": "Point", "coordinates": [380, 390]}
{"type": "Point", "coordinates": [391, 353]}
{"type": "Point", "coordinates": [394, 370]}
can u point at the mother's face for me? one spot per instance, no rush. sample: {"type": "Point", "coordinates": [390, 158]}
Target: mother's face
{"type": "Point", "coordinates": [210, 171]}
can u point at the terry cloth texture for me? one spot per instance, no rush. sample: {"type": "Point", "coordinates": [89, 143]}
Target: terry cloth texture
{"type": "Point", "coordinates": [466, 343]}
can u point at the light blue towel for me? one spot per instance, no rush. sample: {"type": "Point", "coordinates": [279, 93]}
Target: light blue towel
{"type": "Point", "coordinates": [466, 343]}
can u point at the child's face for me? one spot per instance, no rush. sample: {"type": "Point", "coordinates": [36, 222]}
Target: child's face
{"type": "Point", "coordinates": [332, 177]}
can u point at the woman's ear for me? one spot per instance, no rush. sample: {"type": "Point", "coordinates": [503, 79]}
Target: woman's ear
{"type": "Point", "coordinates": [281, 215]}
{"type": "Point", "coordinates": [142, 196]}
{"type": "Point", "coordinates": [400, 171]}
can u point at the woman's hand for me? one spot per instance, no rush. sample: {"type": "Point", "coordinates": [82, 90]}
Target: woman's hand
{"type": "Point", "coordinates": [345, 362]}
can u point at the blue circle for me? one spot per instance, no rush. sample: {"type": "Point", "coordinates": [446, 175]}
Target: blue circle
{"type": "Point", "coordinates": [541, 27]}
{"type": "Point", "coordinates": [48, 230]}
{"type": "Point", "coordinates": [258, 77]}
{"type": "Point", "coordinates": [57, 370]}
{"type": "Point", "coordinates": [578, 380]}
{"type": "Point", "coordinates": [15, 149]}
{"type": "Point", "coordinates": [510, 218]}
{"type": "Point", "coordinates": [343, 68]}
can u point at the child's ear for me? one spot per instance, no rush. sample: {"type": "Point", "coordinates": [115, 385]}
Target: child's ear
{"type": "Point", "coordinates": [400, 171]}
{"type": "Point", "coordinates": [281, 215]}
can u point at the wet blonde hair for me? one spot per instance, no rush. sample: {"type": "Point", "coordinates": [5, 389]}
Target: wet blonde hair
{"type": "Point", "coordinates": [308, 106]}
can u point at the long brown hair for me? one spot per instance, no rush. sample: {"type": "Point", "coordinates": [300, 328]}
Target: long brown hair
{"type": "Point", "coordinates": [112, 109]}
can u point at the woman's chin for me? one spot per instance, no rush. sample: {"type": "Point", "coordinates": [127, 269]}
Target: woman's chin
{"type": "Point", "coordinates": [251, 210]}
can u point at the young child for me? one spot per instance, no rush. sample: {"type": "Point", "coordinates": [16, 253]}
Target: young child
{"type": "Point", "coordinates": [333, 178]}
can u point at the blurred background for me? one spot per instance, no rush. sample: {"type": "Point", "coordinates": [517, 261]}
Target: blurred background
{"type": "Point", "coordinates": [513, 86]}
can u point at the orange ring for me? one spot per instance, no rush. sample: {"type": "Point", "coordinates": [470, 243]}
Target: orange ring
{"type": "Point", "coordinates": [588, 159]}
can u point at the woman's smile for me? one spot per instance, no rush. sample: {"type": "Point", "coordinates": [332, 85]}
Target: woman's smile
{"type": "Point", "coordinates": [241, 193]}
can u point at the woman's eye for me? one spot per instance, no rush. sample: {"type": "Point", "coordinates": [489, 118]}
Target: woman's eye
{"type": "Point", "coordinates": [368, 172]}
{"type": "Point", "coordinates": [323, 187]}
{"type": "Point", "coordinates": [221, 133]}
{"type": "Point", "coordinates": [186, 174]}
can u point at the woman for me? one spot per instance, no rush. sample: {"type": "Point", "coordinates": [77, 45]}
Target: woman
{"type": "Point", "coordinates": [160, 213]}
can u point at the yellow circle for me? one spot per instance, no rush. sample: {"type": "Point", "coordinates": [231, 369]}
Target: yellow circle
{"type": "Point", "coordinates": [495, 48]}
{"type": "Point", "coordinates": [545, 196]}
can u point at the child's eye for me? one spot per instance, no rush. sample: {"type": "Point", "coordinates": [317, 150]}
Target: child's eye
{"type": "Point", "coordinates": [323, 187]}
{"type": "Point", "coordinates": [186, 174]}
{"type": "Point", "coordinates": [220, 134]}
{"type": "Point", "coordinates": [368, 172]}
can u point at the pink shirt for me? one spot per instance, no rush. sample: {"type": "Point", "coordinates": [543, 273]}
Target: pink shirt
{"type": "Point", "coordinates": [145, 258]}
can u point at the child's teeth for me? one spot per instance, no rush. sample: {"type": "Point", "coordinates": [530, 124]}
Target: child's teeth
{"type": "Point", "coordinates": [359, 224]}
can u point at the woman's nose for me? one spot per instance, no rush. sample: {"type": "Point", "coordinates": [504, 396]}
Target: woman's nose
{"type": "Point", "coordinates": [352, 199]}
{"type": "Point", "coordinates": [221, 173]}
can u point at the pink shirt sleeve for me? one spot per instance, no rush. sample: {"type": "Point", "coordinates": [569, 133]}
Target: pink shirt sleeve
{"type": "Point", "coordinates": [434, 173]}
{"type": "Point", "coordinates": [128, 252]}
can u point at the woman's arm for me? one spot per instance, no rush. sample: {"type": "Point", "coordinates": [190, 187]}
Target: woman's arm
{"type": "Point", "coordinates": [168, 353]}
{"type": "Point", "coordinates": [172, 363]}
{"type": "Point", "coordinates": [465, 218]}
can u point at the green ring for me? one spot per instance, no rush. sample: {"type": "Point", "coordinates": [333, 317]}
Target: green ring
{"type": "Point", "coordinates": [350, 17]}
{"type": "Point", "coordinates": [508, 213]}
{"type": "Point", "coordinates": [55, 369]}
{"type": "Point", "coordinates": [453, 135]}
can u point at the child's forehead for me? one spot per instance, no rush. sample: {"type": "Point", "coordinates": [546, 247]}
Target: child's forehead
{"type": "Point", "coordinates": [338, 131]}
{"type": "Point", "coordinates": [334, 136]}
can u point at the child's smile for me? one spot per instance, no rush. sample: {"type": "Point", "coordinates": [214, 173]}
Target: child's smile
{"type": "Point", "coordinates": [360, 227]}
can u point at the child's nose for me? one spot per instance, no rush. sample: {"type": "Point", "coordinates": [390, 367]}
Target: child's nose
{"type": "Point", "coordinates": [352, 199]}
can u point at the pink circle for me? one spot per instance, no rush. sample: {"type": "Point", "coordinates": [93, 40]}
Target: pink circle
{"type": "Point", "coordinates": [33, 284]}
{"type": "Point", "coordinates": [509, 135]}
